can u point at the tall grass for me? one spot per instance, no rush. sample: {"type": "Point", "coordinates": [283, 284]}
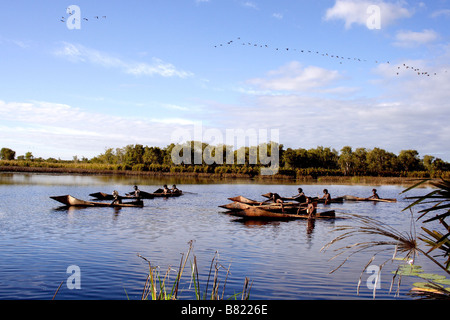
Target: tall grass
{"type": "Point", "coordinates": [158, 287]}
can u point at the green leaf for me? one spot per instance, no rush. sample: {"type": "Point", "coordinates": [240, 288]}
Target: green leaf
{"type": "Point", "coordinates": [443, 281]}
{"type": "Point", "coordinates": [423, 285]}
{"type": "Point", "coordinates": [431, 276]}
{"type": "Point", "coordinates": [420, 199]}
{"type": "Point", "coordinates": [408, 270]}
{"type": "Point", "coordinates": [415, 186]}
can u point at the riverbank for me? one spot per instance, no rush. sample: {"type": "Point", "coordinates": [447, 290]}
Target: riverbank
{"type": "Point", "coordinates": [213, 176]}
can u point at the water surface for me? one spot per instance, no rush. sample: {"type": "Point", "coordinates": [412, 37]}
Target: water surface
{"type": "Point", "coordinates": [39, 240]}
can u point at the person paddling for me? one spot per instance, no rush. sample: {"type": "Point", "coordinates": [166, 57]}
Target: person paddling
{"type": "Point", "coordinates": [137, 193]}
{"type": "Point", "coordinates": [300, 197]}
{"type": "Point", "coordinates": [275, 197]}
{"type": "Point", "coordinates": [117, 198]}
{"type": "Point", "coordinates": [326, 196]}
{"type": "Point", "coordinates": [166, 190]}
{"type": "Point", "coordinates": [374, 195]}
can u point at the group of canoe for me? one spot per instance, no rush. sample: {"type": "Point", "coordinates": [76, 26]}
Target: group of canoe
{"type": "Point", "coordinates": [136, 197]}
{"type": "Point", "coordinates": [290, 208]}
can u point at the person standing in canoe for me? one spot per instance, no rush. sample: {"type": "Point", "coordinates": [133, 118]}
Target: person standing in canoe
{"type": "Point", "coordinates": [374, 195]}
{"type": "Point", "coordinates": [326, 196]}
{"type": "Point", "coordinates": [275, 197]}
{"type": "Point", "coordinates": [310, 208]}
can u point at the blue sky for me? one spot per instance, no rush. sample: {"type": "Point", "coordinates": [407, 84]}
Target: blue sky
{"type": "Point", "coordinates": [144, 69]}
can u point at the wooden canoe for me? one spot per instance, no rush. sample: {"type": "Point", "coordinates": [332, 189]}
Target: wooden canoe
{"type": "Point", "coordinates": [315, 199]}
{"type": "Point", "coordinates": [242, 199]}
{"type": "Point", "coordinates": [106, 196]}
{"type": "Point", "coordinates": [160, 193]}
{"type": "Point", "coordinates": [353, 198]}
{"type": "Point", "coordinates": [253, 212]}
{"type": "Point", "coordinates": [68, 200]}
{"type": "Point", "coordinates": [275, 207]}
{"type": "Point", "coordinates": [101, 196]}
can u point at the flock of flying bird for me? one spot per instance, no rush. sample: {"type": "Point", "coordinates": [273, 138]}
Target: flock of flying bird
{"type": "Point", "coordinates": [334, 56]}
{"type": "Point", "coordinates": [63, 19]}
{"type": "Point", "coordinates": [339, 58]}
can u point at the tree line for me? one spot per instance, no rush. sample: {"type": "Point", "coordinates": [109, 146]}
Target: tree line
{"type": "Point", "coordinates": [295, 162]}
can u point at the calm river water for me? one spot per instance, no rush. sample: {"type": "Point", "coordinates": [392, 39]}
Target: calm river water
{"type": "Point", "coordinates": [39, 240]}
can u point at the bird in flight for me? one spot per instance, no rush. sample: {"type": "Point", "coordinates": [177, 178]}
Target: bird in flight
{"type": "Point", "coordinates": [326, 54]}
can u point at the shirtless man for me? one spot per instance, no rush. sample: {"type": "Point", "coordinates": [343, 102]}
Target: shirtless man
{"type": "Point", "coordinates": [275, 197]}
{"type": "Point", "coordinates": [300, 197]}
{"type": "Point", "coordinates": [374, 195]}
{"type": "Point", "coordinates": [326, 196]}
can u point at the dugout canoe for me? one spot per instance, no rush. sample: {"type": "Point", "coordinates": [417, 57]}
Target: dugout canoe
{"type": "Point", "coordinates": [160, 193]}
{"type": "Point", "coordinates": [274, 207]}
{"type": "Point", "coordinates": [353, 198]}
{"type": "Point", "coordinates": [315, 199]}
{"type": "Point", "coordinates": [245, 200]}
{"type": "Point", "coordinates": [241, 199]}
{"type": "Point", "coordinates": [106, 196]}
{"type": "Point", "coordinates": [257, 213]}
{"type": "Point", "coordinates": [68, 200]}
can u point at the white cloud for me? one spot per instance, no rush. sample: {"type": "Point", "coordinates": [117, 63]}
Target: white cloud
{"type": "Point", "coordinates": [277, 16]}
{"type": "Point", "coordinates": [439, 13]}
{"type": "Point", "coordinates": [295, 77]}
{"type": "Point", "coordinates": [355, 12]}
{"type": "Point", "coordinates": [398, 117]}
{"type": "Point", "coordinates": [159, 67]}
{"type": "Point", "coordinates": [41, 126]}
{"type": "Point", "coordinates": [79, 53]}
{"type": "Point", "coordinates": [250, 4]}
{"type": "Point", "coordinates": [413, 38]}
{"type": "Point", "coordinates": [174, 107]}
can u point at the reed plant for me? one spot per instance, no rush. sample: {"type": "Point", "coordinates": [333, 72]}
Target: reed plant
{"type": "Point", "coordinates": [384, 238]}
{"type": "Point", "coordinates": [158, 286]}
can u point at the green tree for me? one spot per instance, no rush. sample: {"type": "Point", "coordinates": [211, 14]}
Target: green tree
{"type": "Point", "coordinates": [29, 156]}
{"type": "Point", "coordinates": [428, 162]}
{"type": "Point", "coordinates": [134, 154]}
{"type": "Point", "coordinates": [167, 152]}
{"type": "Point", "coordinates": [153, 155]}
{"type": "Point", "coordinates": [323, 158]}
{"type": "Point", "coordinates": [360, 161]}
{"type": "Point", "coordinates": [380, 161]}
{"type": "Point", "coordinates": [408, 160]}
{"type": "Point", "coordinates": [345, 160]}
{"type": "Point", "coordinates": [7, 154]}
{"type": "Point", "coordinates": [296, 158]}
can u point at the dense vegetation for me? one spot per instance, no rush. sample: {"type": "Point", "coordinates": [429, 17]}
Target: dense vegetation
{"type": "Point", "coordinates": [320, 161]}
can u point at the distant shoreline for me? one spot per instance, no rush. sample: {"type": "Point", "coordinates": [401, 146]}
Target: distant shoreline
{"type": "Point", "coordinates": [218, 176]}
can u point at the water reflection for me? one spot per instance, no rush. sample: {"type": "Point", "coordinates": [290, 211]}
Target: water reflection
{"type": "Point", "coordinates": [252, 223]}
{"type": "Point", "coordinates": [310, 224]}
